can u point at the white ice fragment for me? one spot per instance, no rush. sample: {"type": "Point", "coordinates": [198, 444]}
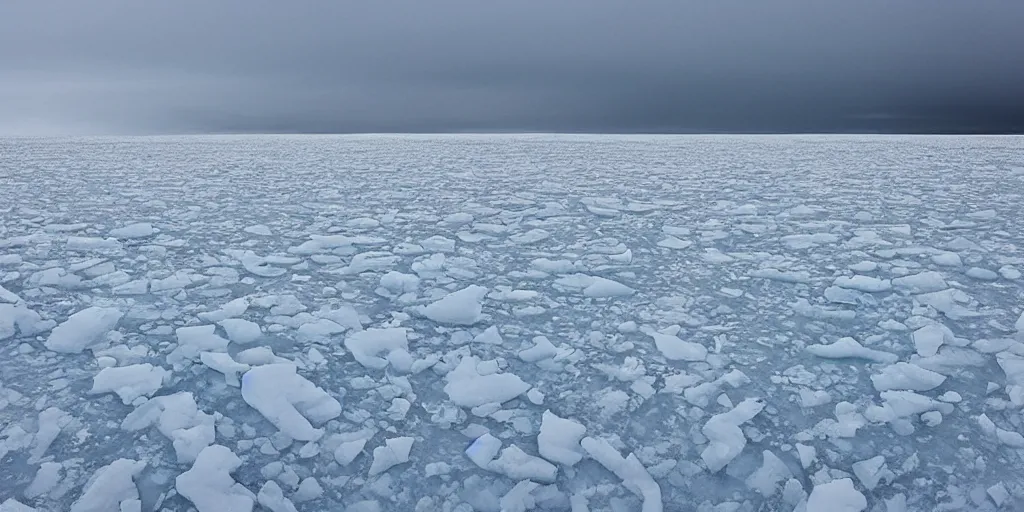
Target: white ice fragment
{"type": "Point", "coordinates": [83, 329]}
{"type": "Point", "coordinates": [92, 244]}
{"type": "Point", "coordinates": [726, 438]}
{"type": "Point", "coordinates": [601, 287]}
{"type": "Point", "coordinates": [530, 237]}
{"type": "Point", "coordinates": [13, 505]}
{"type": "Point", "coordinates": [347, 452]}
{"type": "Point", "coordinates": [906, 376]}
{"type": "Point", "coordinates": [674, 348]}
{"type": "Point", "coordinates": [490, 336]}
{"type": "Point", "coordinates": [462, 307]}
{"type": "Point", "coordinates": [804, 308]}
{"type": "Point", "coordinates": [209, 485]}
{"type": "Point", "coordinates": [814, 398]}
{"type": "Point", "coordinates": [241, 331]}
{"type": "Point", "coordinates": [136, 230]}
{"type": "Point", "coordinates": [466, 387]}
{"type": "Point", "coordinates": [129, 382]}
{"type": "Point", "coordinates": [850, 348]}
{"type": "Point", "coordinates": [519, 499]}
{"type": "Point", "coordinates": [519, 465]}
{"type": "Point", "coordinates": [394, 452]}
{"type": "Point", "coordinates": [634, 475]}
{"type": "Point", "coordinates": [947, 259]}
{"type": "Point", "coordinates": [272, 498]}
{"type": "Point", "coordinates": [179, 419]}
{"type": "Point", "coordinates": [1019, 324]}
{"type": "Point", "coordinates": [932, 418]}
{"type": "Point", "coordinates": [1012, 365]}
{"type": "Point", "coordinates": [924, 282]}
{"type": "Point", "coordinates": [223, 363]}
{"type": "Point", "coordinates": [672, 242]}
{"type": "Point", "coordinates": [258, 229]}
{"type": "Point", "coordinates": [836, 496]}
{"type": "Point", "coordinates": [998, 493]}
{"type": "Point", "coordinates": [109, 487]}
{"type": "Point", "coordinates": [1010, 273]}
{"type": "Point", "coordinates": [368, 345]}
{"type": "Point", "coordinates": [559, 439]}
{"type": "Point", "coordinates": [775, 274]}
{"type": "Point", "coordinates": [981, 274]}
{"type": "Point", "coordinates": [234, 308]}
{"type": "Point", "coordinates": [807, 454]}
{"type": "Point", "coordinates": [289, 401]}
{"type": "Point", "coordinates": [872, 471]}
{"type": "Point", "coordinates": [929, 338]}
{"type": "Point", "coordinates": [483, 450]}
{"type": "Point", "coordinates": [309, 489]}
{"type": "Point", "coordinates": [766, 479]}
{"type": "Point", "coordinates": [864, 283]}
{"type": "Point", "coordinates": [17, 318]}
{"type": "Point", "coordinates": [47, 477]}
{"type": "Point", "coordinates": [399, 283]}
{"type": "Point", "coordinates": [542, 349]}
{"type": "Point", "coordinates": [195, 339]}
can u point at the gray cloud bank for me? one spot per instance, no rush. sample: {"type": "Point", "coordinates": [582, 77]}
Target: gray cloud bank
{"type": "Point", "coordinates": [186, 66]}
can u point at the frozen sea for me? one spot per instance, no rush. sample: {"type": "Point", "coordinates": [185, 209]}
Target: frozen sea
{"type": "Point", "coordinates": [512, 323]}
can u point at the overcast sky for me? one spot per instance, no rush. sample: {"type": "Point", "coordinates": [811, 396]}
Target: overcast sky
{"type": "Point", "coordinates": [185, 66]}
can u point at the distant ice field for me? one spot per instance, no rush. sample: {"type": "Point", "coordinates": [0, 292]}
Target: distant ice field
{"type": "Point", "coordinates": [505, 323]}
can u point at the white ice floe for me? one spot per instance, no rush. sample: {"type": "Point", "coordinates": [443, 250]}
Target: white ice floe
{"type": "Point", "coordinates": [929, 338]}
{"type": "Point", "coordinates": [347, 451]}
{"type": "Point", "coordinates": [850, 348]}
{"type": "Point", "coordinates": [136, 230]}
{"type": "Point", "coordinates": [489, 336]}
{"type": "Point", "coordinates": [542, 349]}
{"type": "Point", "coordinates": [864, 284]}
{"type": "Point", "coordinates": [672, 242]}
{"type": "Point", "coordinates": [559, 439]}
{"type": "Point", "coordinates": [399, 283]}
{"type": "Point", "coordinates": [83, 329]}
{"type": "Point", "coordinates": [368, 346]}
{"type": "Point", "coordinates": [289, 401]}
{"type": "Point", "coordinates": [193, 340]}
{"type": "Point", "coordinates": [674, 348]}
{"type": "Point", "coordinates": [394, 452]}
{"type": "Point", "coordinates": [271, 497]}
{"type": "Point", "coordinates": [767, 478]}
{"type": "Point", "coordinates": [467, 387]}
{"type": "Point", "coordinates": [516, 464]}
{"type": "Point", "coordinates": [19, 319]}
{"type": "Point", "coordinates": [179, 419]}
{"type": "Point", "coordinates": [111, 488]}
{"type": "Point", "coordinates": [923, 282]}
{"type": "Point", "coordinates": [234, 308]}
{"type": "Point", "coordinates": [906, 376]}
{"type": "Point", "coordinates": [258, 229]}
{"type": "Point", "coordinates": [725, 438]}
{"type": "Point", "coordinates": [130, 382]}
{"type": "Point", "coordinates": [836, 496]}
{"type": "Point", "coordinates": [223, 363]}
{"type": "Point", "coordinates": [463, 307]}
{"type": "Point", "coordinates": [210, 486]}
{"type": "Point", "coordinates": [873, 471]}
{"type": "Point", "coordinates": [629, 469]}
{"type": "Point", "coordinates": [241, 331]}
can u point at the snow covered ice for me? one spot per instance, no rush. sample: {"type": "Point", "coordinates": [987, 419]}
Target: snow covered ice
{"type": "Point", "coordinates": [421, 323]}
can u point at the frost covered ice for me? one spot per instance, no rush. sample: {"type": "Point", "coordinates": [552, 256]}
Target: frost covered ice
{"type": "Point", "coordinates": [440, 323]}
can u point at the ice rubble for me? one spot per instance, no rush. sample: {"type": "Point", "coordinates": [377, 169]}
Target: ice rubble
{"type": "Point", "coordinates": [466, 386]}
{"type": "Point", "coordinates": [836, 496]}
{"type": "Point", "coordinates": [179, 419]}
{"type": "Point", "coordinates": [130, 382]}
{"type": "Point", "coordinates": [289, 401]}
{"type": "Point", "coordinates": [726, 440]}
{"type": "Point", "coordinates": [394, 452]}
{"type": "Point", "coordinates": [559, 439]}
{"type": "Point", "coordinates": [463, 307]}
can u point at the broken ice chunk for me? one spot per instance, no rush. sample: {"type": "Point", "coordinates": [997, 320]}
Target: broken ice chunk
{"type": "Point", "coordinates": [179, 419]}
{"type": "Point", "coordinates": [483, 450]}
{"type": "Point", "coordinates": [368, 345]}
{"type": "Point", "coordinates": [872, 471]}
{"type": "Point", "coordinates": [394, 452]}
{"type": "Point", "coordinates": [347, 452]}
{"type": "Point", "coordinates": [601, 287]}
{"type": "Point", "coordinates": [906, 376]}
{"type": "Point", "coordinates": [83, 329]}
{"type": "Point", "coordinates": [193, 340]}
{"type": "Point", "coordinates": [849, 347]}
{"type": "Point", "coordinates": [559, 439]}
{"type": "Point", "coordinates": [766, 479]}
{"type": "Point", "coordinates": [466, 387]}
{"type": "Point", "coordinates": [224, 364]}
{"type": "Point", "coordinates": [864, 284]}
{"type": "Point", "coordinates": [726, 438]}
{"type": "Point", "coordinates": [289, 401]}
{"type": "Point", "coordinates": [209, 485]}
{"type": "Point", "coordinates": [463, 307]}
{"type": "Point", "coordinates": [634, 475]}
{"type": "Point", "coordinates": [677, 349]}
{"type": "Point", "coordinates": [924, 282]}
{"type": "Point", "coordinates": [836, 496]}
{"type": "Point", "coordinates": [519, 465]}
{"type": "Point", "coordinates": [241, 331]}
{"type": "Point", "coordinates": [542, 349]}
{"type": "Point", "coordinates": [272, 498]}
{"type": "Point", "coordinates": [129, 382]}
{"type": "Point", "coordinates": [109, 487]}
{"type": "Point", "coordinates": [136, 230]}
{"type": "Point", "coordinates": [929, 338]}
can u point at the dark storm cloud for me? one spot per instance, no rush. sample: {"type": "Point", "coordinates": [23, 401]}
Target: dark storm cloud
{"type": "Point", "coordinates": [572, 65]}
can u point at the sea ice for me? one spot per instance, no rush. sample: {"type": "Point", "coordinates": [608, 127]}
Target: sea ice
{"type": "Point", "coordinates": [83, 329]}
{"type": "Point", "coordinates": [130, 382]}
{"type": "Point", "coordinates": [289, 401]}
{"type": "Point", "coordinates": [462, 307]}
{"type": "Point", "coordinates": [209, 485]}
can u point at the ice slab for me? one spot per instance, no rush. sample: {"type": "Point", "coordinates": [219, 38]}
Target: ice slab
{"type": "Point", "coordinates": [179, 419]}
{"type": "Point", "coordinates": [83, 329]}
{"type": "Point", "coordinates": [210, 486]}
{"type": "Point", "coordinates": [726, 440]}
{"type": "Point", "coordinates": [110, 487]}
{"type": "Point", "coordinates": [289, 401]}
{"type": "Point", "coordinates": [463, 307]}
{"type": "Point", "coordinates": [675, 348]}
{"type": "Point", "coordinates": [850, 348]}
{"type": "Point", "coordinates": [836, 496]}
{"type": "Point", "coordinates": [130, 382]}
{"type": "Point", "coordinates": [559, 439]}
{"type": "Point", "coordinates": [368, 345]}
{"type": "Point", "coordinates": [634, 475]}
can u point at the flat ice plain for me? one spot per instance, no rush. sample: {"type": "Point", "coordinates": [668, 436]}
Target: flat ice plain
{"type": "Point", "coordinates": [512, 323]}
